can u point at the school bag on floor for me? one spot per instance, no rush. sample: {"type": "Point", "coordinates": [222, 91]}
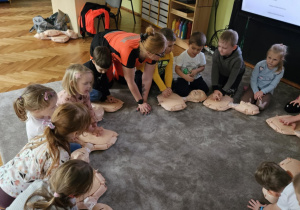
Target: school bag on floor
{"type": "Point", "coordinates": [57, 21]}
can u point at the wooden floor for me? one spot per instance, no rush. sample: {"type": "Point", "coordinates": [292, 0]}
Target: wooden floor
{"type": "Point", "coordinates": [25, 60]}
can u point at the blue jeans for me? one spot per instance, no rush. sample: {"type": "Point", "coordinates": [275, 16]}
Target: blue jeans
{"type": "Point", "coordinates": [95, 95]}
{"type": "Point", "coordinates": [74, 146]}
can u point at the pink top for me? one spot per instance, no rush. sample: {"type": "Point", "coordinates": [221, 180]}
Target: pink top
{"type": "Point", "coordinates": [64, 97]}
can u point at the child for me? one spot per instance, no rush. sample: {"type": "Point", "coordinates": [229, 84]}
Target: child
{"type": "Point", "coordinates": [59, 192]}
{"type": "Point", "coordinates": [189, 64]}
{"type": "Point", "coordinates": [278, 183]}
{"type": "Point", "coordinates": [77, 83]}
{"type": "Point", "coordinates": [35, 106]}
{"type": "Point", "coordinates": [293, 106]}
{"type": "Point", "coordinates": [265, 77]}
{"type": "Point", "coordinates": [100, 63]}
{"type": "Point", "coordinates": [40, 157]}
{"type": "Point", "coordinates": [228, 65]}
{"type": "Point", "coordinates": [163, 72]}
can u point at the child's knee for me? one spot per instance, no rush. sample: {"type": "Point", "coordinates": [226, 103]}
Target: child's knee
{"type": "Point", "coordinates": [262, 105]}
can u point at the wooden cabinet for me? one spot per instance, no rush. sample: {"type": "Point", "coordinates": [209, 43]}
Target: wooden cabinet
{"type": "Point", "coordinates": [155, 12]}
{"type": "Point", "coordinates": [199, 14]}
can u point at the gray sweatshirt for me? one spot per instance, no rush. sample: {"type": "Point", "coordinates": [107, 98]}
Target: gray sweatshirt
{"type": "Point", "coordinates": [226, 66]}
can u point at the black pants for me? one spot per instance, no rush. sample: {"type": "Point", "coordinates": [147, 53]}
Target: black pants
{"type": "Point", "coordinates": [223, 80]}
{"type": "Point", "coordinates": [183, 88]}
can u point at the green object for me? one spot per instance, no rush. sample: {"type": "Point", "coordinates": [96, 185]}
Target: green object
{"type": "Point", "coordinates": [185, 71]}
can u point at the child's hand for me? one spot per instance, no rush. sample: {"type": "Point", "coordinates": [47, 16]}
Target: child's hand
{"type": "Point", "coordinates": [111, 99]}
{"type": "Point", "coordinates": [217, 95]}
{"type": "Point", "coordinates": [144, 108]}
{"type": "Point", "coordinates": [258, 95]}
{"type": "Point", "coordinates": [288, 121]}
{"type": "Point", "coordinates": [193, 72]}
{"type": "Point", "coordinates": [189, 78]}
{"type": "Point", "coordinates": [296, 101]}
{"type": "Point", "coordinates": [255, 205]}
{"type": "Point", "coordinates": [97, 131]}
{"type": "Point", "coordinates": [167, 92]}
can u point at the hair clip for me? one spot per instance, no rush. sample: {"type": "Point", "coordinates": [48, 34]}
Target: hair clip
{"type": "Point", "coordinates": [77, 75]}
{"type": "Point", "coordinates": [49, 124]}
{"type": "Point", "coordinates": [20, 97]}
{"type": "Point", "coordinates": [56, 195]}
{"type": "Point", "coordinates": [47, 94]}
{"type": "Point", "coordinates": [144, 36]}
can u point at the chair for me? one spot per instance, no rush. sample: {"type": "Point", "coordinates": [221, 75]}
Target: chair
{"type": "Point", "coordinates": [115, 16]}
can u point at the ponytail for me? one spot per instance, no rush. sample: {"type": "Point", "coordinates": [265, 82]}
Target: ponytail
{"type": "Point", "coordinates": [154, 42]}
{"type": "Point", "coordinates": [72, 179]}
{"type": "Point", "coordinates": [20, 109]}
{"type": "Point", "coordinates": [35, 97]}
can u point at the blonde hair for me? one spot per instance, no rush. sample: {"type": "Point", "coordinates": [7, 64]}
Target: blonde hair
{"type": "Point", "coordinates": [67, 118]}
{"type": "Point", "coordinates": [74, 177]}
{"type": "Point", "coordinates": [154, 42]}
{"type": "Point", "coordinates": [230, 36]}
{"type": "Point", "coordinates": [280, 49]}
{"type": "Point", "coordinates": [72, 76]}
{"type": "Point", "coordinates": [35, 97]}
{"type": "Point", "coordinates": [296, 183]}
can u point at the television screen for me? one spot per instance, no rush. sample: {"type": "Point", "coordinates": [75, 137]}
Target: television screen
{"type": "Point", "coordinates": [283, 10]}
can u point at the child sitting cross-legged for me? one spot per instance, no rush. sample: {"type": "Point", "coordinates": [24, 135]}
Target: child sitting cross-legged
{"type": "Point", "coordinates": [70, 180]}
{"type": "Point", "coordinates": [42, 155]}
{"type": "Point", "coordinates": [189, 64]}
{"type": "Point", "coordinates": [265, 77]}
{"type": "Point", "coordinates": [228, 65]}
{"type": "Point", "coordinates": [278, 182]}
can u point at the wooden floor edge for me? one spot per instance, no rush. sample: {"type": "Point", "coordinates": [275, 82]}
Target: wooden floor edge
{"type": "Point", "coordinates": [293, 84]}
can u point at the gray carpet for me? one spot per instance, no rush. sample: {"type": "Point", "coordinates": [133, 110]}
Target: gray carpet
{"type": "Point", "coordinates": [193, 159]}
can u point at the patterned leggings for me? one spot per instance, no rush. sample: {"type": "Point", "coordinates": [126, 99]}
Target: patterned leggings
{"type": "Point", "coordinates": [248, 96]}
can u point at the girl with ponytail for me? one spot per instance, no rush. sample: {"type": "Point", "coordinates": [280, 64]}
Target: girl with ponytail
{"type": "Point", "coordinates": [72, 179]}
{"type": "Point", "coordinates": [41, 156]}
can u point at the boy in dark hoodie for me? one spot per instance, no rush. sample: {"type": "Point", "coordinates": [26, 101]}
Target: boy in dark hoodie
{"type": "Point", "coordinates": [228, 65]}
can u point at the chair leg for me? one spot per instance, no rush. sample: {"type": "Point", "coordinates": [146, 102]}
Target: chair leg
{"type": "Point", "coordinates": [98, 25]}
{"type": "Point", "coordinates": [116, 21]}
{"type": "Point", "coordinates": [132, 11]}
{"type": "Point", "coordinates": [103, 22]}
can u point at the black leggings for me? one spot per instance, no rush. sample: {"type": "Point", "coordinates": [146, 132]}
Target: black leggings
{"type": "Point", "coordinates": [183, 88]}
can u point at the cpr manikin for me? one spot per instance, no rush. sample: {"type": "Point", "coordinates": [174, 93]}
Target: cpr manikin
{"type": "Point", "coordinates": [274, 122]}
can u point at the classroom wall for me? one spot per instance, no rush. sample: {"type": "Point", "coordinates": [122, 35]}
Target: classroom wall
{"type": "Point", "coordinates": [223, 16]}
{"type": "Point", "coordinates": [137, 4]}
{"type": "Point", "coordinates": [223, 13]}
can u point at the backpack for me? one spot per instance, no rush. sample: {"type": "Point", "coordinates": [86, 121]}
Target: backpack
{"type": "Point", "coordinates": [57, 21]}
